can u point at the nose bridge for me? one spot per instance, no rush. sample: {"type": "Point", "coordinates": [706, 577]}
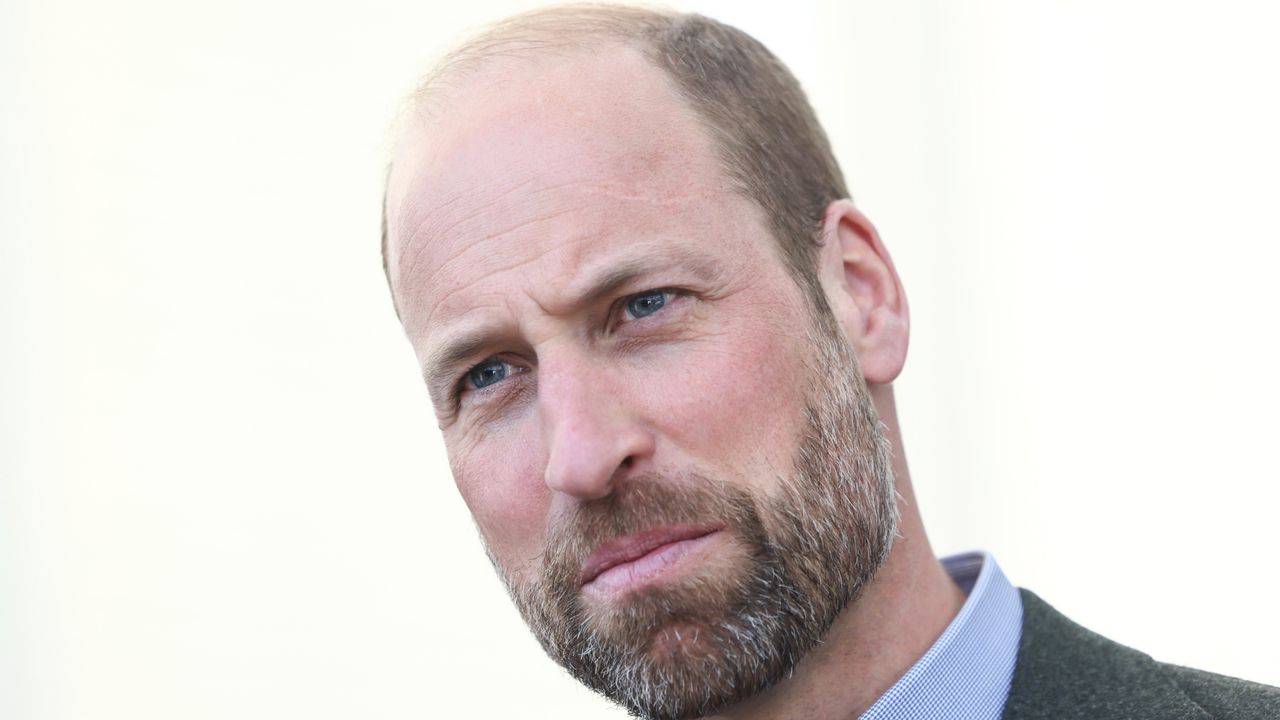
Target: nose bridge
{"type": "Point", "coordinates": [590, 429]}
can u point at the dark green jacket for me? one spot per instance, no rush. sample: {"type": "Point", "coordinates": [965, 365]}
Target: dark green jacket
{"type": "Point", "coordinates": [1065, 671]}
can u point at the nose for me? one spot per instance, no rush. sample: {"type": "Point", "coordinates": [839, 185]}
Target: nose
{"type": "Point", "coordinates": [591, 430]}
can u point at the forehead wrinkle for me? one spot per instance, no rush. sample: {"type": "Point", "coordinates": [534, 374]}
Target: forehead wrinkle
{"type": "Point", "coordinates": [621, 175]}
{"type": "Point", "coordinates": [443, 299]}
{"type": "Point", "coordinates": [618, 191]}
{"type": "Point", "coordinates": [424, 220]}
{"type": "Point", "coordinates": [427, 222]}
{"type": "Point", "coordinates": [609, 189]}
{"type": "Point", "coordinates": [458, 252]}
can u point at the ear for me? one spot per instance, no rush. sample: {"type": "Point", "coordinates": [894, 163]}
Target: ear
{"type": "Point", "coordinates": [864, 291]}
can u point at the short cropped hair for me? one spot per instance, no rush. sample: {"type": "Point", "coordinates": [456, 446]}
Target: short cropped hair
{"type": "Point", "coordinates": [763, 128]}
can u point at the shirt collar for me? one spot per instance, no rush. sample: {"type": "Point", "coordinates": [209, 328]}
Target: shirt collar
{"type": "Point", "coordinates": [966, 674]}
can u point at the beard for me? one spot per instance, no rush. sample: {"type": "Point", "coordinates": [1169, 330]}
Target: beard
{"type": "Point", "coordinates": [691, 647]}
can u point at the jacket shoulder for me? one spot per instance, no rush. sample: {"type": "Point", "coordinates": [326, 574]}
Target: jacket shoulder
{"type": "Point", "coordinates": [1226, 697]}
{"type": "Point", "coordinates": [1065, 671]}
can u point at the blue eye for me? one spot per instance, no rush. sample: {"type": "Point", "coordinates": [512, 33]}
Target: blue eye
{"type": "Point", "coordinates": [487, 373]}
{"type": "Point", "coordinates": [646, 303]}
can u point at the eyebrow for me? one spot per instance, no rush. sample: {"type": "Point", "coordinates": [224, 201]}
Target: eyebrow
{"type": "Point", "coordinates": [440, 366]}
{"type": "Point", "coordinates": [621, 273]}
{"type": "Point", "coordinates": [610, 280]}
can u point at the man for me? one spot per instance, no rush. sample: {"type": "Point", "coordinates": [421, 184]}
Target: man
{"type": "Point", "coordinates": [660, 342]}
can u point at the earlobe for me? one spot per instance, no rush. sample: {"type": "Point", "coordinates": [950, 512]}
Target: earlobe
{"type": "Point", "coordinates": [864, 291]}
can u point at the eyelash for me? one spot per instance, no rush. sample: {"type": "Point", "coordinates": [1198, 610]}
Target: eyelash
{"type": "Point", "coordinates": [619, 307]}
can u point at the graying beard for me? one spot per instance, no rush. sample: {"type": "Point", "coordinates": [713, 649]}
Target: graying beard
{"type": "Point", "coordinates": [836, 522]}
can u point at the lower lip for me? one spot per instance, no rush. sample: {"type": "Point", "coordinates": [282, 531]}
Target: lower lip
{"type": "Point", "coordinates": [647, 568]}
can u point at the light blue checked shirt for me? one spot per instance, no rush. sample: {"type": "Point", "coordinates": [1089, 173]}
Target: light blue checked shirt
{"type": "Point", "coordinates": [966, 674]}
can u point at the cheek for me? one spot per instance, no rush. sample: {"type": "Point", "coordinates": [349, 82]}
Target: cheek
{"type": "Point", "coordinates": [501, 482]}
{"type": "Point", "coordinates": [738, 406]}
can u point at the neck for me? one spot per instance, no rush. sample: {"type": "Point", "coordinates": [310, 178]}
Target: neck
{"type": "Point", "coordinates": [894, 620]}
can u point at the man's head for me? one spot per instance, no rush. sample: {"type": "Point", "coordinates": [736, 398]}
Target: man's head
{"type": "Point", "coordinates": [640, 346]}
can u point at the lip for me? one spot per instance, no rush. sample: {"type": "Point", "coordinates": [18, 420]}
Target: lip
{"type": "Point", "coordinates": [657, 544]}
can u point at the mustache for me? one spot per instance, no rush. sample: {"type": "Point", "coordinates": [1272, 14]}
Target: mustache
{"type": "Point", "coordinates": [641, 503]}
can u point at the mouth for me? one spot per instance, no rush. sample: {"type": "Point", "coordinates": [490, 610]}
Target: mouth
{"type": "Point", "coordinates": [627, 562]}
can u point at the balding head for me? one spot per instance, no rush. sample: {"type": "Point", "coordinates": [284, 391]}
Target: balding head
{"type": "Point", "coordinates": [764, 132]}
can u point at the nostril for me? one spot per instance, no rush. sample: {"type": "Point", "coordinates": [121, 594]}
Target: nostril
{"type": "Point", "coordinates": [628, 461]}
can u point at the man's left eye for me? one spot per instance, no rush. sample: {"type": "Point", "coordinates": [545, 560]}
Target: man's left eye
{"type": "Point", "coordinates": [646, 303]}
{"type": "Point", "coordinates": [487, 373]}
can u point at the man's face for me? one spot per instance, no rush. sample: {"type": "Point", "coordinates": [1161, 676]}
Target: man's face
{"type": "Point", "coordinates": [670, 456]}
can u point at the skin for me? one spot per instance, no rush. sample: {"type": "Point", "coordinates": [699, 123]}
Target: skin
{"type": "Point", "coordinates": [547, 175]}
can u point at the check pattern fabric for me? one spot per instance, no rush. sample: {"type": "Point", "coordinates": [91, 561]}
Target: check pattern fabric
{"type": "Point", "coordinates": [967, 673]}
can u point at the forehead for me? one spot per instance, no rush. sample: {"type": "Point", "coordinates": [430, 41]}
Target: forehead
{"type": "Point", "coordinates": [539, 167]}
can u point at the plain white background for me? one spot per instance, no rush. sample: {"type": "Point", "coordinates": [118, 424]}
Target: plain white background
{"type": "Point", "coordinates": [221, 490]}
